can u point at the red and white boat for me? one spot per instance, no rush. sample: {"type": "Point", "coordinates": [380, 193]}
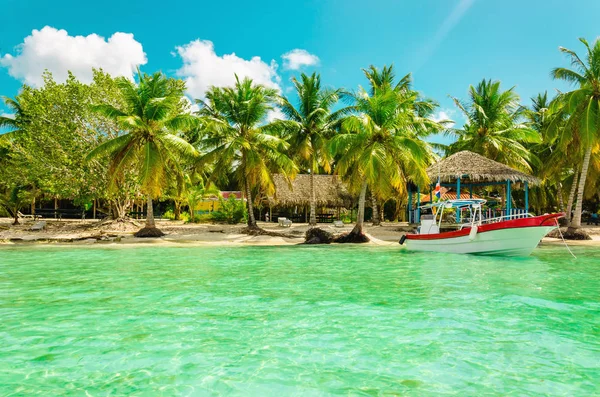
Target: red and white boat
{"type": "Point", "coordinates": [515, 235]}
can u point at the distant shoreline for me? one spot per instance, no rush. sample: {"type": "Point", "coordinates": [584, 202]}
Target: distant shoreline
{"type": "Point", "coordinates": [89, 232]}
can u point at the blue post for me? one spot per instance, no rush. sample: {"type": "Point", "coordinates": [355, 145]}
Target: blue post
{"type": "Point", "coordinates": [508, 198]}
{"type": "Point", "coordinates": [418, 204]}
{"type": "Point", "coordinates": [526, 197]}
{"type": "Point", "coordinates": [409, 204]}
{"type": "Point", "coordinates": [458, 198]}
{"type": "Point", "coordinates": [431, 193]}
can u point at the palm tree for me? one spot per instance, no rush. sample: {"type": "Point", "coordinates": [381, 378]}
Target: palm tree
{"type": "Point", "coordinates": [309, 126]}
{"type": "Point", "coordinates": [494, 126]}
{"type": "Point", "coordinates": [151, 115]}
{"type": "Point", "coordinates": [381, 145]}
{"type": "Point", "coordinates": [551, 166]}
{"type": "Point", "coordinates": [582, 109]}
{"type": "Point", "coordinates": [240, 140]}
{"type": "Point", "coordinates": [15, 123]}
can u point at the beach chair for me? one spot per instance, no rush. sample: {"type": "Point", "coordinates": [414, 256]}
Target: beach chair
{"type": "Point", "coordinates": [41, 225]}
{"type": "Point", "coordinates": [338, 224]}
{"type": "Point", "coordinates": [25, 216]}
{"type": "Point", "coordinates": [284, 222]}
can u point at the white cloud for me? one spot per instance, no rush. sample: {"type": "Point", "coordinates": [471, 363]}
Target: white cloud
{"type": "Point", "coordinates": [275, 114]}
{"type": "Point", "coordinates": [445, 114]}
{"type": "Point", "coordinates": [8, 115]}
{"type": "Point", "coordinates": [55, 50]}
{"type": "Point", "coordinates": [298, 58]}
{"type": "Point", "coordinates": [203, 68]}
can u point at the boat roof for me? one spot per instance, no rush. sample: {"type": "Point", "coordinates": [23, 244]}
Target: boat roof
{"type": "Point", "coordinates": [456, 203]}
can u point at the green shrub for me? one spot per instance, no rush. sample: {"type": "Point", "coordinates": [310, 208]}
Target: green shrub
{"type": "Point", "coordinates": [230, 211]}
{"type": "Point", "coordinates": [169, 215]}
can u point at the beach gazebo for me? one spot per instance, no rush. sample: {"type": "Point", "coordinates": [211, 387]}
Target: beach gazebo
{"type": "Point", "coordinates": [330, 192]}
{"type": "Point", "coordinates": [465, 170]}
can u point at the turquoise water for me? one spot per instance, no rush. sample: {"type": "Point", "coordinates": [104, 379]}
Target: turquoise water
{"type": "Point", "coordinates": [302, 321]}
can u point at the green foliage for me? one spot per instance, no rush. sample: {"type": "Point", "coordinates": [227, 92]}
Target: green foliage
{"type": "Point", "coordinates": [151, 113]}
{"type": "Point", "coordinates": [230, 211]}
{"type": "Point", "coordinates": [495, 126]}
{"type": "Point", "coordinates": [238, 138]}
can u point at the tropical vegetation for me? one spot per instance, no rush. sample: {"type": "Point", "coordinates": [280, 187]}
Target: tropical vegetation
{"type": "Point", "coordinates": [117, 144]}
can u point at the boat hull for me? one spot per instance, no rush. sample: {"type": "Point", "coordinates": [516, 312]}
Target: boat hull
{"type": "Point", "coordinates": [515, 237]}
{"type": "Point", "coordinates": [503, 242]}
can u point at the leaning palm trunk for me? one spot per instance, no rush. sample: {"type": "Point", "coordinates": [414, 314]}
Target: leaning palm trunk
{"type": "Point", "coordinates": [376, 218]}
{"type": "Point", "coordinates": [572, 195]}
{"type": "Point", "coordinates": [251, 220]}
{"type": "Point", "coordinates": [357, 235]}
{"type": "Point", "coordinates": [149, 229]}
{"type": "Point", "coordinates": [576, 221]}
{"type": "Point", "coordinates": [313, 199]}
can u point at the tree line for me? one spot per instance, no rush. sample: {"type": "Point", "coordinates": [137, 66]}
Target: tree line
{"type": "Point", "coordinates": [118, 141]}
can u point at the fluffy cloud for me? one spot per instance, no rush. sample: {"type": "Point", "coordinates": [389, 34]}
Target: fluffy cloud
{"type": "Point", "coordinates": [444, 115]}
{"type": "Point", "coordinates": [298, 58]}
{"type": "Point", "coordinates": [55, 50]}
{"type": "Point", "coordinates": [203, 68]}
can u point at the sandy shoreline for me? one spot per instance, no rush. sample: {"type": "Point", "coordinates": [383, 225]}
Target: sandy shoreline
{"type": "Point", "coordinates": [76, 232]}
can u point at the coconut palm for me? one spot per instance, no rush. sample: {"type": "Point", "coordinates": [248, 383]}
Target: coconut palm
{"type": "Point", "coordinates": [17, 121]}
{"type": "Point", "coordinates": [582, 109]}
{"type": "Point", "coordinates": [239, 139]}
{"type": "Point", "coordinates": [309, 126]}
{"type": "Point", "coordinates": [380, 146]}
{"type": "Point", "coordinates": [150, 118]}
{"type": "Point", "coordinates": [495, 127]}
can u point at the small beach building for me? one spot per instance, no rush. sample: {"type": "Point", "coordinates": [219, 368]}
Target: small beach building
{"type": "Point", "coordinates": [466, 170]}
{"type": "Point", "coordinates": [292, 198]}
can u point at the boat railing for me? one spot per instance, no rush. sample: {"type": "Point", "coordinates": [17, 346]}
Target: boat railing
{"type": "Point", "coordinates": [516, 215]}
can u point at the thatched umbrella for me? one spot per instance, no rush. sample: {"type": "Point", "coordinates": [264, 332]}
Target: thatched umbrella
{"type": "Point", "coordinates": [330, 191]}
{"type": "Point", "coordinates": [472, 169]}
{"type": "Point", "coordinates": [475, 167]}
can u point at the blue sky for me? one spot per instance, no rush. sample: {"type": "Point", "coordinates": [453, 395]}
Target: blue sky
{"type": "Point", "coordinates": [446, 44]}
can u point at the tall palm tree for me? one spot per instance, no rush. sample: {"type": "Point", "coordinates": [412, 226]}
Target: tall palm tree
{"type": "Point", "coordinates": [149, 146]}
{"type": "Point", "coordinates": [239, 139]}
{"type": "Point", "coordinates": [582, 107]}
{"type": "Point", "coordinates": [495, 127]}
{"type": "Point", "coordinates": [381, 146]}
{"type": "Point", "coordinates": [309, 126]}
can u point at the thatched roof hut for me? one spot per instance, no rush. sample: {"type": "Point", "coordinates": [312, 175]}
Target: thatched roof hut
{"type": "Point", "coordinates": [475, 167]}
{"type": "Point", "coordinates": [330, 191]}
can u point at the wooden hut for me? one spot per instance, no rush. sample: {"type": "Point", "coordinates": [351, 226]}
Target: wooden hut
{"type": "Point", "coordinates": [465, 170]}
{"type": "Point", "coordinates": [292, 197]}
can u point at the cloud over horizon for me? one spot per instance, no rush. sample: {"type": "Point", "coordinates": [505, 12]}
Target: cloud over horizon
{"type": "Point", "coordinates": [59, 53]}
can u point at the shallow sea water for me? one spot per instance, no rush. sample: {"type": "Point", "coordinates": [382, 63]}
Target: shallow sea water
{"type": "Point", "coordinates": [297, 321]}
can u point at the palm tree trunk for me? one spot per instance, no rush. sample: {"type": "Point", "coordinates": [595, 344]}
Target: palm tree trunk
{"type": "Point", "coordinates": [251, 220]}
{"type": "Point", "coordinates": [360, 216]}
{"type": "Point", "coordinates": [376, 219]}
{"type": "Point", "coordinates": [576, 221]}
{"type": "Point", "coordinates": [150, 214]}
{"type": "Point", "coordinates": [561, 202]}
{"type": "Point", "coordinates": [572, 196]}
{"type": "Point", "coordinates": [313, 200]}
{"type": "Point", "coordinates": [16, 214]}
{"type": "Point", "coordinates": [177, 211]}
